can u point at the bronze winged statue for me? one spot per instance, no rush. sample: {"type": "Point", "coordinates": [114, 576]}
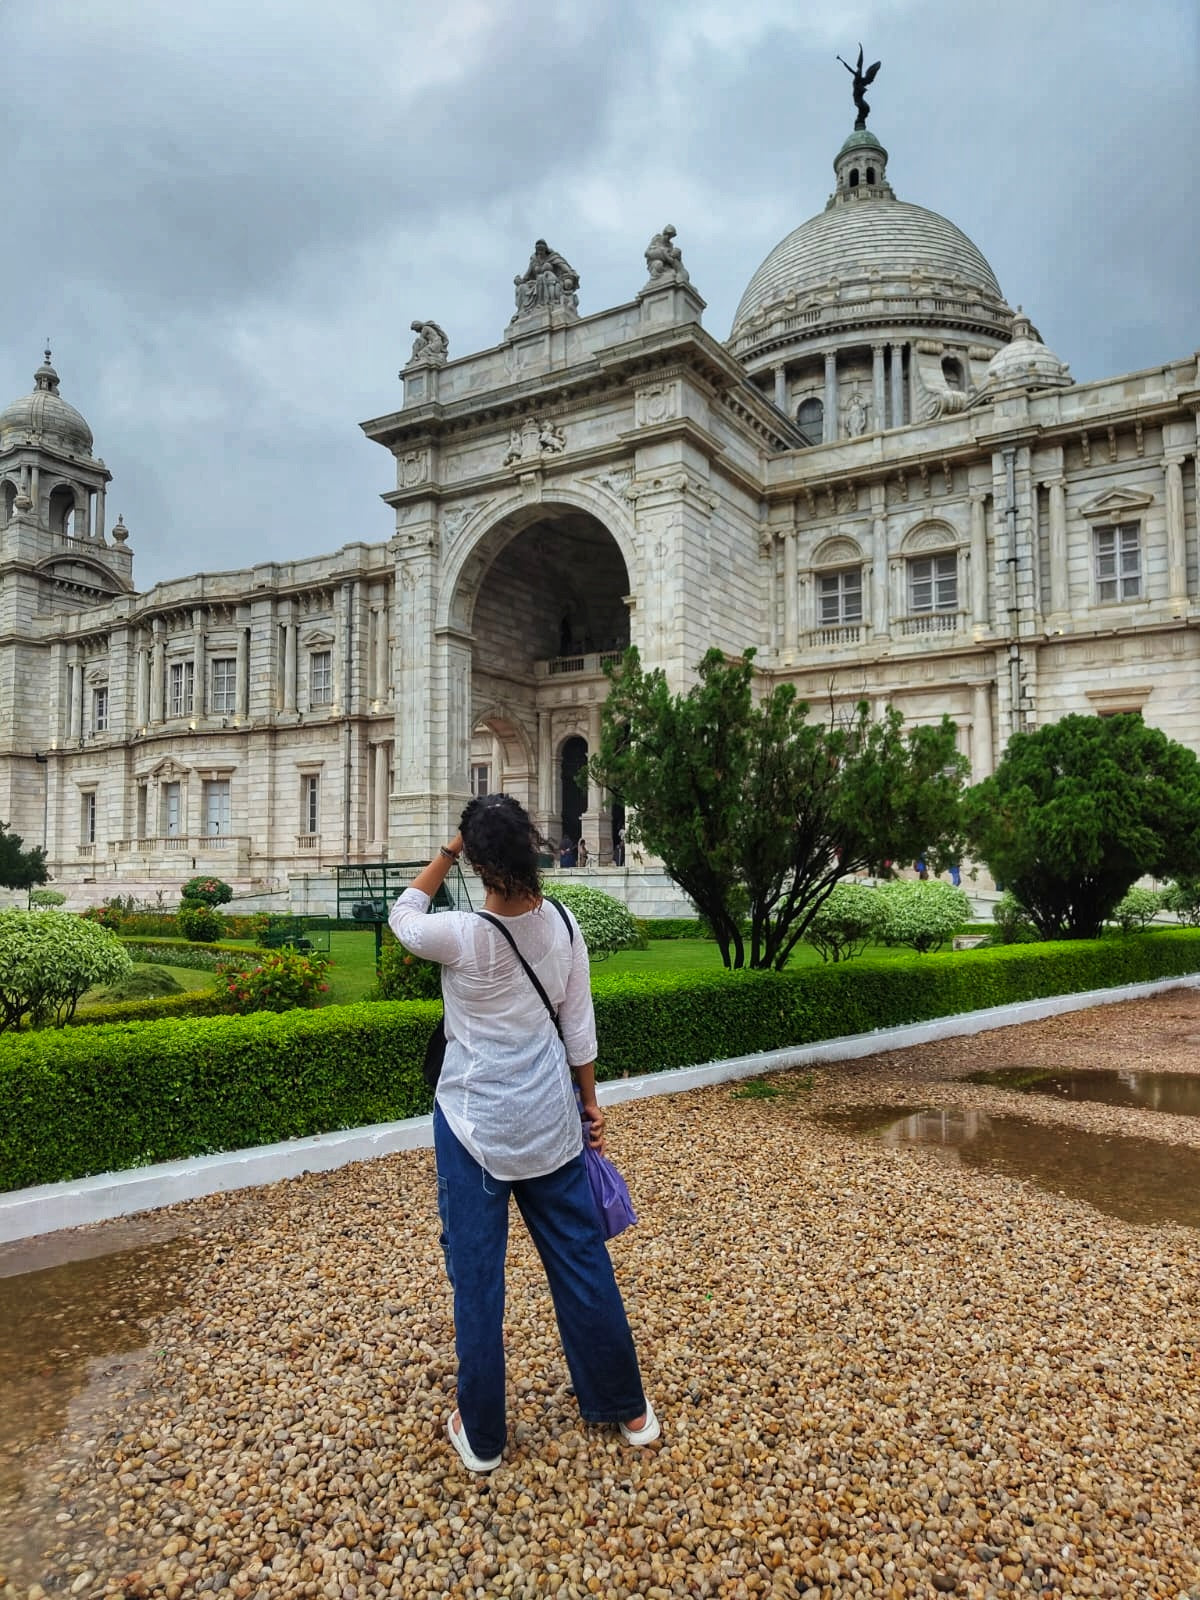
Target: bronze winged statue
{"type": "Point", "coordinates": [861, 80]}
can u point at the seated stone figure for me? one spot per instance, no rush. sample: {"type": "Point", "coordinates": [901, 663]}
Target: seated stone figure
{"type": "Point", "coordinates": [548, 281]}
{"type": "Point", "coordinates": [664, 257]}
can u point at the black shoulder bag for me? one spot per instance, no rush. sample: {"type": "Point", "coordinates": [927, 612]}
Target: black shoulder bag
{"type": "Point", "coordinates": [435, 1050]}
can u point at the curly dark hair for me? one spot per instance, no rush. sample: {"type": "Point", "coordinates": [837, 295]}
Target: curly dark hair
{"type": "Point", "coordinates": [502, 844]}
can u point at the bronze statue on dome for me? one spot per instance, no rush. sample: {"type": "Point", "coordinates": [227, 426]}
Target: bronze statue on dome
{"type": "Point", "coordinates": [861, 80]}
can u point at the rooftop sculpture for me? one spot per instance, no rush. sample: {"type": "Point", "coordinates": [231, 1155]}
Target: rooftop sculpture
{"type": "Point", "coordinates": [861, 80]}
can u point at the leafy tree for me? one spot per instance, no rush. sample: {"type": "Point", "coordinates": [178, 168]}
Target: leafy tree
{"type": "Point", "coordinates": [606, 924]}
{"type": "Point", "coordinates": [922, 915]}
{"type": "Point", "coordinates": [1013, 925]}
{"type": "Point", "coordinates": [1182, 899]}
{"type": "Point", "coordinates": [757, 812]}
{"type": "Point", "coordinates": [1078, 811]}
{"type": "Point", "coordinates": [843, 925]}
{"type": "Point", "coordinates": [206, 891]}
{"type": "Point", "coordinates": [44, 899]}
{"type": "Point", "coordinates": [19, 869]}
{"type": "Point", "coordinates": [47, 960]}
{"type": "Point", "coordinates": [1137, 909]}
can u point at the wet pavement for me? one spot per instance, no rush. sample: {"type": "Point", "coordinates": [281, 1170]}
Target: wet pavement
{"type": "Point", "coordinates": [1137, 1179]}
{"type": "Point", "coordinates": [1177, 1093]}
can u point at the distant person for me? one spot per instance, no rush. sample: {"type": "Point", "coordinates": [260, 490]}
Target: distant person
{"type": "Point", "coordinates": [619, 848]}
{"type": "Point", "coordinates": [581, 853]}
{"type": "Point", "coordinates": [566, 852]}
{"type": "Point", "coordinates": [955, 874]}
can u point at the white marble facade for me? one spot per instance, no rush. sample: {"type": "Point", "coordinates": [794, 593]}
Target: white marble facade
{"type": "Point", "coordinates": [883, 481]}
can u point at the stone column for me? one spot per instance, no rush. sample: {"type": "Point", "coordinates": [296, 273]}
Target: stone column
{"type": "Point", "coordinates": [199, 698]}
{"type": "Point", "coordinates": [158, 671]}
{"type": "Point", "coordinates": [982, 759]}
{"type": "Point", "coordinates": [979, 571]}
{"type": "Point", "coordinates": [98, 530]}
{"type": "Point", "coordinates": [545, 772]}
{"type": "Point", "coordinates": [75, 698]}
{"type": "Point", "coordinates": [242, 687]}
{"type": "Point", "coordinates": [1059, 590]}
{"type": "Point", "coordinates": [379, 754]}
{"type": "Point", "coordinates": [289, 664]}
{"type": "Point", "coordinates": [141, 686]}
{"type": "Point", "coordinates": [341, 624]}
{"type": "Point", "coordinates": [878, 389]}
{"type": "Point", "coordinates": [831, 398]}
{"type": "Point", "coordinates": [791, 595]}
{"type": "Point", "coordinates": [1176, 539]}
{"type": "Point", "coordinates": [781, 397]}
{"type": "Point", "coordinates": [880, 619]}
{"type": "Point", "coordinates": [373, 673]}
{"type": "Point", "coordinates": [595, 794]}
{"type": "Point", "coordinates": [35, 490]}
{"type": "Point", "coordinates": [897, 385]}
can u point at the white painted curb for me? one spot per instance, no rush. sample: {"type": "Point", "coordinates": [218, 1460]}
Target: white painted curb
{"type": "Point", "coordinates": [24, 1213]}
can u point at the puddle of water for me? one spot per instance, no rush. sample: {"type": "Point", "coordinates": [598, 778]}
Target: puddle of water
{"type": "Point", "coordinates": [73, 1327]}
{"type": "Point", "coordinates": [1138, 1180]}
{"type": "Point", "coordinates": [1175, 1092]}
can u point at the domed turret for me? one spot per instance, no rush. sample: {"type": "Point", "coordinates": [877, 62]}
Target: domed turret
{"type": "Point", "coordinates": [1023, 363]}
{"type": "Point", "coordinates": [44, 418]}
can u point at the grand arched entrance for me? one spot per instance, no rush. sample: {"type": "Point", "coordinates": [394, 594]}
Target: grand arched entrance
{"type": "Point", "coordinates": [543, 601]}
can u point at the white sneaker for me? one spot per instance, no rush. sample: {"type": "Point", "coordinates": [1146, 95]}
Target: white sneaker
{"type": "Point", "coordinates": [647, 1433]}
{"type": "Point", "coordinates": [458, 1438]}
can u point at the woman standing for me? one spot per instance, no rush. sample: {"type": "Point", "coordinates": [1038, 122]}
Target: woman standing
{"type": "Point", "coordinates": [505, 1121]}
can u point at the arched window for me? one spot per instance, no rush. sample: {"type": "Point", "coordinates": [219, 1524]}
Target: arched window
{"type": "Point", "coordinates": [9, 501]}
{"type": "Point", "coordinates": [62, 507]}
{"type": "Point", "coordinates": [810, 419]}
{"type": "Point", "coordinates": [854, 177]}
{"type": "Point", "coordinates": [870, 174]}
{"type": "Point", "coordinates": [952, 372]}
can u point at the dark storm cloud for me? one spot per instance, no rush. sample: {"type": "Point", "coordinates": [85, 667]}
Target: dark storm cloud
{"type": "Point", "coordinates": [227, 215]}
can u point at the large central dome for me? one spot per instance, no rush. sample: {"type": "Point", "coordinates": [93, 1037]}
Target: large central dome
{"type": "Point", "coordinates": [868, 265]}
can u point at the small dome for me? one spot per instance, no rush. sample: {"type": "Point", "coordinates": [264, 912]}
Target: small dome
{"type": "Point", "coordinates": [1024, 363]}
{"type": "Point", "coordinates": [45, 417]}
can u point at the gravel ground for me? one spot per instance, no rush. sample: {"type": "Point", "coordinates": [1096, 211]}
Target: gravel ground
{"type": "Point", "coordinates": [880, 1372]}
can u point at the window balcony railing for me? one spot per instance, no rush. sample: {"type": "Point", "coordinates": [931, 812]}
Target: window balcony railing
{"type": "Point", "coordinates": [922, 624]}
{"type": "Point", "coordinates": [189, 844]}
{"type": "Point", "coordinates": [308, 841]}
{"type": "Point", "coordinates": [833, 636]}
{"type": "Point", "coordinates": [85, 850]}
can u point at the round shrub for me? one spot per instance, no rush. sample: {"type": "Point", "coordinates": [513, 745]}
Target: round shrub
{"type": "Point", "coordinates": [279, 980]}
{"type": "Point", "coordinates": [143, 982]}
{"type": "Point", "coordinates": [1014, 925]}
{"type": "Point", "coordinates": [921, 915]}
{"type": "Point", "coordinates": [1182, 899]}
{"type": "Point", "coordinates": [45, 899]}
{"type": "Point", "coordinates": [846, 922]}
{"type": "Point", "coordinates": [47, 960]}
{"type": "Point", "coordinates": [606, 924]}
{"type": "Point", "coordinates": [206, 891]}
{"type": "Point", "coordinates": [1136, 909]}
{"type": "Point", "coordinates": [198, 921]}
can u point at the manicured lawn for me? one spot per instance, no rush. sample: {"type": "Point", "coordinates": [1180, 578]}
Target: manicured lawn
{"type": "Point", "coordinates": [186, 977]}
{"type": "Point", "coordinates": [679, 955]}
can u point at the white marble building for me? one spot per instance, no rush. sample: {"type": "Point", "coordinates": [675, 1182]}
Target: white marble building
{"type": "Point", "coordinates": [882, 479]}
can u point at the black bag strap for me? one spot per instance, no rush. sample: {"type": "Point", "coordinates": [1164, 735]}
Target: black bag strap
{"type": "Point", "coordinates": [529, 972]}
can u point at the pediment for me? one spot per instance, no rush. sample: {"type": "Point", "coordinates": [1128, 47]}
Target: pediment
{"type": "Point", "coordinates": [1116, 503]}
{"type": "Point", "coordinates": [931, 536]}
{"type": "Point", "coordinates": [316, 639]}
{"type": "Point", "coordinates": [81, 575]}
{"type": "Point", "coordinates": [97, 676]}
{"type": "Point", "coordinates": [168, 771]}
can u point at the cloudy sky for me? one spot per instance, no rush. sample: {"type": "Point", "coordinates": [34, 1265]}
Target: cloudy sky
{"type": "Point", "coordinates": [225, 215]}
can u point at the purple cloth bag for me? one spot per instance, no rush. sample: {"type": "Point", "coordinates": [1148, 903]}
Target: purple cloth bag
{"type": "Point", "coordinates": [613, 1205]}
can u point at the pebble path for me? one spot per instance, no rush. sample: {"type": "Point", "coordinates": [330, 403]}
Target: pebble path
{"type": "Point", "coordinates": [880, 1373]}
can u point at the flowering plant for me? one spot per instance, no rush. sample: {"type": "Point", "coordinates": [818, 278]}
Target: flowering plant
{"type": "Point", "coordinates": [207, 891]}
{"type": "Point", "coordinates": [278, 980]}
{"type": "Point", "coordinates": [404, 976]}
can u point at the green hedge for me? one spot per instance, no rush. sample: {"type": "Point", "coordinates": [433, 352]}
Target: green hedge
{"type": "Point", "coordinates": [673, 928]}
{"type": "Point", "coordinates": [191, 1003]}
{"type": "Point", "coordinates": [77, 1101]}
{"type": "Point", "coordinates": [184, 953]}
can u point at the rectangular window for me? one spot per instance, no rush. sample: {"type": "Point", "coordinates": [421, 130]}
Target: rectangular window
{"type": "Point", "coordinates": [215, 800]}
{"type": "Point", "coordinates": [1119, 562]}
{"type": "Point", "coordinates": [100, 710]}
{"type": "Point", "coordinates": [933, 583]}
{"type": "Point", "coordinates": [181, 689]}
{"type": "Point", "coordinates": [320, 678]}
{"type": "Point", "coordinates": [141, 811]}
{"type": "Point", "coordinates": [171, 810]}
{"type": "Point", "coordinates": [87, 818]}
{"type": "Point", "coordinates": [481, 777]}
{"type": "Point", "coordinates": [224, 685]}
{"type": "Point", "coordinates": [839, 596]}
{"type": "Point", "coordinates": [310, 804]}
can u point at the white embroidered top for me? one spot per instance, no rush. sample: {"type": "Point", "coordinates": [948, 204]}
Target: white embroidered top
{"type": "Point", "coordinates": [505, 1087]}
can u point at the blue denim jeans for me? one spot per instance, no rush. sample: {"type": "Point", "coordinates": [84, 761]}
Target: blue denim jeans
{"type": "Point", "coordinates": [561, 1217]}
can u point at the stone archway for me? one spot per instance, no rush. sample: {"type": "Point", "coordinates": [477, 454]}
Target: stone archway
{"type": "Point", "coordinates": [540, 602]}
